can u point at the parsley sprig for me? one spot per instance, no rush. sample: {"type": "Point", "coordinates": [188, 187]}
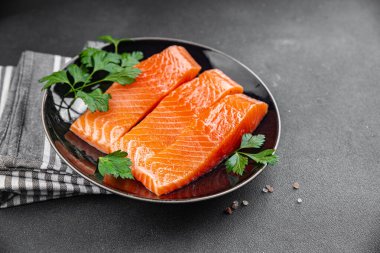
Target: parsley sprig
{"type": "Point", "coordinates": [237, 162]}
{"type": "Point", "coordinates": [115, 42]}
{"type": "Point", "coordinates": [116, 164]}
{"type": "Point", "coordinates": [115, 67]}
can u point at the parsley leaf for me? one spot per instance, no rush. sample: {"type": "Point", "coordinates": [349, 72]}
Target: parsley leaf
{"type": "Point", "coordinates": [86, 56]}
{"type": "Point", "coordinates": [266, 156]}
{"type": "Point", "coordinates": [138, 55]}
{"type": "Point", "coordinates": [116, 164]}
{"type": "Point", "coordinates": [252, 141]}
{"type": "Point", "coordinates": [56, 77]}
{"type": "Point", "coordinates": [110, 39]}
{"type": "Point", "coordinates": [106, 61]}
{"type": "Point", "coordinates": [131, 59]}
{"type": "Point", "coordinates": [125, 76]}
{"type": "Point", "coordinates": [111, 66]}
{"type": "Point", "coordinates": [237, 162]}
{"type": "Point", "coordinates": [95, 100]}
{"type": "Point", "coordinates": [78, 74]}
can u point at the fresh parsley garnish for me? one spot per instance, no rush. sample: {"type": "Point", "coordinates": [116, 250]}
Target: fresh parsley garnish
{"type": "Point", "coordinates": [103, 60]}
{"type": "Point", "coordinates": [115, 42]}
{"type": "Point", "coordinates": [131, 59]}
{"type": "Point", "coordinates": [95, 100]}
{"type": "Point", "coordinates": [86, 56]}
{"type": "Point", "coordinates": [115, 67]}
{"type": "Point", "coordinates": [125, 76]}
{"type": "Point", "coordinates": [252, 141]}
{"type": "Point", "coordinates": [56, 77]}
{"type": "Point", "coordinates": [116, 164]}
{"type": "Point", "coordinates": [237, 162]}
{"type": "Point", "coordinates": [78, 74]}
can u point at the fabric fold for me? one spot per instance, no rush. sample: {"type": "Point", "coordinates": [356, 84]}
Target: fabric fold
{"type": "Point", "coordinates": [30, 170]}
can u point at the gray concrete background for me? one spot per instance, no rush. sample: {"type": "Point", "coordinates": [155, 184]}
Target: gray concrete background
{"type": "Point", "coordinates": [321, 60]}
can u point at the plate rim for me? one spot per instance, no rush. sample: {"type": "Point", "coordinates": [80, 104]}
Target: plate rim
{"type": "Point", "coordinates": [167, 201]}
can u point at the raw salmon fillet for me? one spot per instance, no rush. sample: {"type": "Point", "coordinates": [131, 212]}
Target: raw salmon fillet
{"type": "Point", "coordinates": [204, 186]}
{"type": "Point", "coordinates": [160, 128]}
{"type": "Point", "coordinates": [130, 186]}
{"type": "Point", "coordinates": [209, 138]}
{"type": "Point", "coordinates": [161, 73]}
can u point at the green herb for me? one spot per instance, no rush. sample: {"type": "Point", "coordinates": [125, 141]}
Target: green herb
{"type": "Point", "coordinates": [103, 60]}
{"type": "Point", "coordinates": [116, 164]}
{"type": "Point", "coordinates": [115, 42]}
{"type": "Point", "coordinates": [266, 156]}
{"type": "Point", "coordinates": [131, 59]}
{"type": "Point", "coordinates": [56, 77]}
{"type": "Point", "coordinates": [95, 100]}
{"type": "Point", "coordinates": [237, 162]}
{"type": "Point", "coordinates": [86, 56]}
{"type": "Point", "coordinates": [125, 76]}
{"type": "Point", "coordinates": [113, 67]}
{"type": "Point", "coordinates": [78, 74]}
{"type": "Point", "coordinates": [252, 141]}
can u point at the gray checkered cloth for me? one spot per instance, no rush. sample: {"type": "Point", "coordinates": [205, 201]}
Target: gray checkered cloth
{"type": "Point", "coordinates": [30, 170]}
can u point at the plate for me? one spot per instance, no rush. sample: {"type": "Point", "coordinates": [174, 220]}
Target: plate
{"type": "Point", "coordinates": [58, 114]}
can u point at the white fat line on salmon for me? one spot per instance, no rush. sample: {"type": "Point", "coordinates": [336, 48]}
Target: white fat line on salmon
{"type": "Point", "coordinates": [46, 154]}
{"type": "Point", "coordinates": [171, 117]}
{"type": "Point", "coordinates": [160, 128]}
{"type": "Point", "coordinates": [6, 82]}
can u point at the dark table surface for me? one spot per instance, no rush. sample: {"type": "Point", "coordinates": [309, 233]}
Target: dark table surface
{"type": "Point", "coordinates": [321, 60]}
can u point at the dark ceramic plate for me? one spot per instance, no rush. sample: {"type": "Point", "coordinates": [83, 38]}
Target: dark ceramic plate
{"type": "Point", "coordinates": [57, 117]}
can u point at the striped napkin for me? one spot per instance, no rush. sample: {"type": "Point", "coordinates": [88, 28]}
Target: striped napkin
{"type": "Point", "coordinates": [30, 170]}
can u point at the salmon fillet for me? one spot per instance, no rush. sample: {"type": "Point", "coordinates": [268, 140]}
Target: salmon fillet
{"type": "Point", "coordinates": [204, 186]}
{"type": "Point", "coordinates": [128, 185]}
{"type": "Point", "coordinates": [209, 138]}
{"type": "Point", "coordinates": [161, 73]}
{"type": "Point", "coordinates": [160, 128]}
